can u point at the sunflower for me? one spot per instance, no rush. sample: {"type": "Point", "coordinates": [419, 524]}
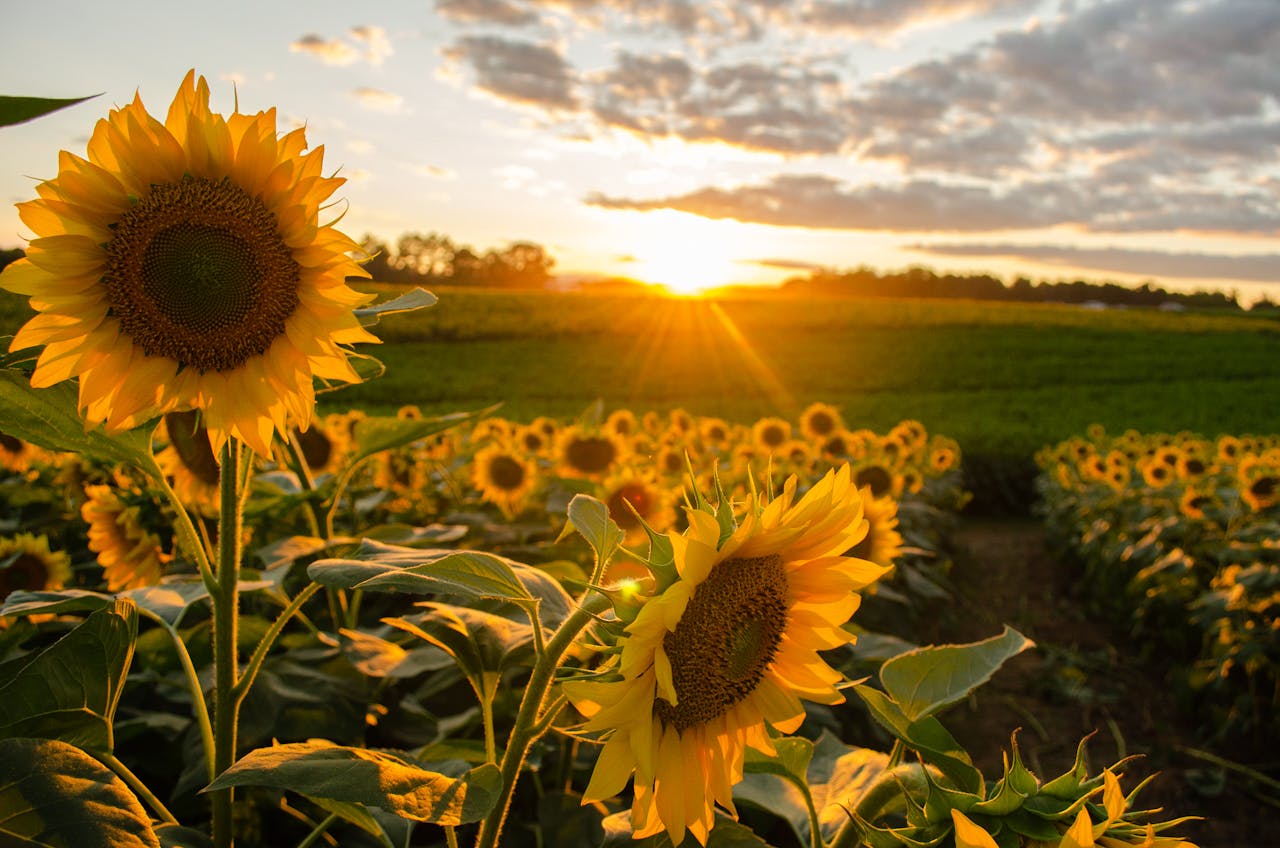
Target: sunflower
{"type": "Point", "coordinates": [130, 555]}
{"type": "Point", "coordinates": [589, 455]}
{"type": "Point", "coordinates": [182, 265]}
{"type": "Point", "coordinates": [504, 477]}
{"type": "Point", "coordinates": [725, 652]}
{"type": "Point", "coordinates": [628, 493]}
{"type": "Point", "coordinates": [877, 475]}
{"type": "Point", "coordinates": [17, 455]}
{"type": "Point", "coordinates": [26, 563]}
{"type": "Point", "coordinates": [883, 543]}
{"type": "Point", "coordinates": [622, 423]}
{"type": "Point", "coordinates": [532, 440]}
{"type": "Point", "coordinates": [820, 420]}
{"type": "Point", "coordinates": [769, 434]}
{"type": "Point", "coordinates": [189, 462]}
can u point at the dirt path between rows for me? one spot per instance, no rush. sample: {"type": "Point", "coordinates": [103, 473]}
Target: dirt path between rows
{"type": "Point", "coordinates": [1083, 677]}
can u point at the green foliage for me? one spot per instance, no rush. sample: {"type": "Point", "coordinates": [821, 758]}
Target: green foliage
{"type": "Point", "coordinates": [441, 793]}
{"type": "Point", "coordinates": [53, 795]}
{"type": "Point", "coordinates": [17, 110]}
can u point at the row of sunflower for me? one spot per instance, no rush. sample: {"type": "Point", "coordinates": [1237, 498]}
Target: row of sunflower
{"type": "Point", "coordinates": [1177, 537]}
{"type": "Point", "coordinates": [300, 658]}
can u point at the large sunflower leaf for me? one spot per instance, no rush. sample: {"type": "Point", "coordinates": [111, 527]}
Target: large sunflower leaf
{"type": "Point", "coordinates": [444, 793]}
{"type": "Point", "coordinates": [18, 110]}
{"type": "Point", "coordinates": [839, 776]}
{"type": "Point", "coordinates": [70, 690]}
{"type": "Point", "coordinates": [50, 419]}
{"type": "Point", "coordinates": [925, 680]}
{"type": "Point", "coordinates": [53, 795]}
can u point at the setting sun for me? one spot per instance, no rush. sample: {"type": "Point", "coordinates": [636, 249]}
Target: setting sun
{"type": "Point", "coordinates": [685, 254]}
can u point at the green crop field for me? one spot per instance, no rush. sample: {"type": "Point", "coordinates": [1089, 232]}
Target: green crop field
{"type": "Point", "coordinates": [1001, 378]}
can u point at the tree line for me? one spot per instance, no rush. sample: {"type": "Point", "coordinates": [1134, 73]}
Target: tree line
{"type": "Point", "coordinates": [918, 281]}
{"type": "Point", "coordinates": [428, 258]}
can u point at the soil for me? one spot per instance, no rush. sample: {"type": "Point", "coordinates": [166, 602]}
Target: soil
{"type": "Point", "coordinates": [1085, 677]}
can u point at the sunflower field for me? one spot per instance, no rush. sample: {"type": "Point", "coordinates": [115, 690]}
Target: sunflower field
{"type": "Point", "coordinates": [1177, 537]}
{"type": "Point", "coordinates": [230, 617]}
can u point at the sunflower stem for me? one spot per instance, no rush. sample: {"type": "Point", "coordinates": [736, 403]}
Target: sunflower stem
{"type": "Point", "coordinates": [199, 707]}
{"type": "Point", "coordinates": [226, 619]}
{"type": "Point", "coordinates": [298, 461]}
{"type": "Point", "coordinates": [139, 788]}
{"type": "Point", "coordinates": [188, 537]}
{"type": "Point", "coordinates": [527, 729]}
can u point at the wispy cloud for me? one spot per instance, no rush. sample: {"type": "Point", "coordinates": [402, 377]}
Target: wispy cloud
{"type": "Point", "coordinates": [364, 44]}
{"type": "Point", "coordinates": [378, 100]}
{"type": "Point", "coordinates": [497, 12]}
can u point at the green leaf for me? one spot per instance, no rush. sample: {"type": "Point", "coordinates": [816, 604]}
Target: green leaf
{"type": "Point", "coordinates": [410, 301]}
{"type": "Point", "coordinates": [53, 795]}
{"type": "Point", "coordinates": [59, 601]}
{"type": "Point", "coordinates": [591, 518]}
{"type": "Point", "coordinates": [451, 795]}
{"type": "Point", "coordinates": [50, 419]}
{"type": "Point", "coordinates": [174, 595]}
{"type": "Point", "coordinates": [839, 776]}
{"type": "Point", "coordinates": [176, 836]}
{"type": "Point", "coordinates": [791, 761]}
{"type": "Point", "coordinates": [725, 833]}
{"type": "Point", "coordinates": [927, 679]}
{"type": "Point", "coordinates": [482, 643]}
{"type": "Point", "coordinates": [18, 110]}
{"type": "Point", "coordinates": [410, 535]}
{"type": "Point", "coordinates": [926, 736]}
{"type": "Point", "coordinates": [69, 691]}
{"type": "Point", "coordinates": [375, 657]}
{"type": "Point", "coordinates": [377, 434]}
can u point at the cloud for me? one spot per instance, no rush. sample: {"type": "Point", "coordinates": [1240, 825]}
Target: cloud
{"type": "Point", "coordinates": [1249, 268]}
{"type": "Point", "coordinates": [366, 43]}
{"type": "Point", "coordinates": [517, 71]}
{"type": "Point", "coordinates": [887, 16]}
{"type": "Point", "coordinates": [500, 12]}
{"type": "Point", "coordinates": [785, 264]}
{"type": "Point", "coordinates": [921, 205]}
{"type": "Point", "coordinates": [433, 171]}
{"type": "Point", "coordinates": [377, 99]}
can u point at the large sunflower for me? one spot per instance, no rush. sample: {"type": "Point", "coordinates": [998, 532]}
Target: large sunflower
{"type": "Point", "coordinates": [725, 652]}
{"type": "Point", "coordinates": [182, 265]}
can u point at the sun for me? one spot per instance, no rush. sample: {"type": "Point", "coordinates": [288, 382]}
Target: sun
{"type": "Point", "coordinates": [686, 254]}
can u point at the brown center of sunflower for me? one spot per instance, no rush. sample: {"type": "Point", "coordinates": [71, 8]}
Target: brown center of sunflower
{"type": "Point", "coordinates": [725, 640]}
{"type": "Point", "coordinates": [10, 444]}
{"type": "Point", "coordinates": [590, 454]}
{"type": "Point", "coordinates": [773, 436]}
{"type": "Point", "coordinates": [26, 571]}
{"type": "Point", "coordinates": [506, 473]}
{"type": "Point", "coordinates": [317, 447]}
{"type": "Point", "coordinates": [191, 442]}
{"type": "Point", "coordinates": [821, 423]}
{"type": "Point", "coordinates": [636, 494]}
{"type": "Point", "coordinates": [1263, 487]}
{"type": "Point", "coordinates": [876, 477]}
{"type": "Point", "coordinates": [197, 272]}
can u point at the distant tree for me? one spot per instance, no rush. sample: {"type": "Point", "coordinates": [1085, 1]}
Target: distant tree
{"type": "Point", "coordinates": [376, 259]}
{"type": "Point", "coordinates": [11, 255]}
{"type": "Point", "coordinates": [430, 256]}
{"type": "Point", "coordinates": [522, 265]}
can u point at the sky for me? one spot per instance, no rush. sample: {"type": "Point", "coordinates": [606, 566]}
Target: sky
{"type": "Point", "coordinates": [701, 142]}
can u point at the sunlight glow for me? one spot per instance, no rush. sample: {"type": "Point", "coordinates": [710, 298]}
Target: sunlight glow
{"type": "Point", "coordinates": [686, 254]}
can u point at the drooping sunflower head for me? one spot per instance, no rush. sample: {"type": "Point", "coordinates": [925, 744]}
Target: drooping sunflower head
{"type": "Point", "coordinates": [725, 652]}
{"type": "Point", "coordinates": [183, 265]}
{"type": "Point", "coordinates": [504, 477]}
{"type": "Point", "coordinates": [131, 555]}
{"type": "Point", "coordinates": [17, 455]}
{"type": "Point", "coordinates": [883, 543]}
{"type": "Point", "coordinates": [27, 563]}
{"type": "Point", "coordinates": [189, 462]}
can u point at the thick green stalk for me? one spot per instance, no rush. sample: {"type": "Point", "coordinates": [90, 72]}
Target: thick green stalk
{"type": "Point", "coordinates": [526, 729]}
{"type": "Point", "coordinates": [139, 788]}
{"type": "Point", "coordinates": [226, 620]}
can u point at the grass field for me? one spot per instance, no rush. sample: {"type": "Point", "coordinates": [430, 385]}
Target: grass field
{"type": "Point", "coordinates": [1001, 378]}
